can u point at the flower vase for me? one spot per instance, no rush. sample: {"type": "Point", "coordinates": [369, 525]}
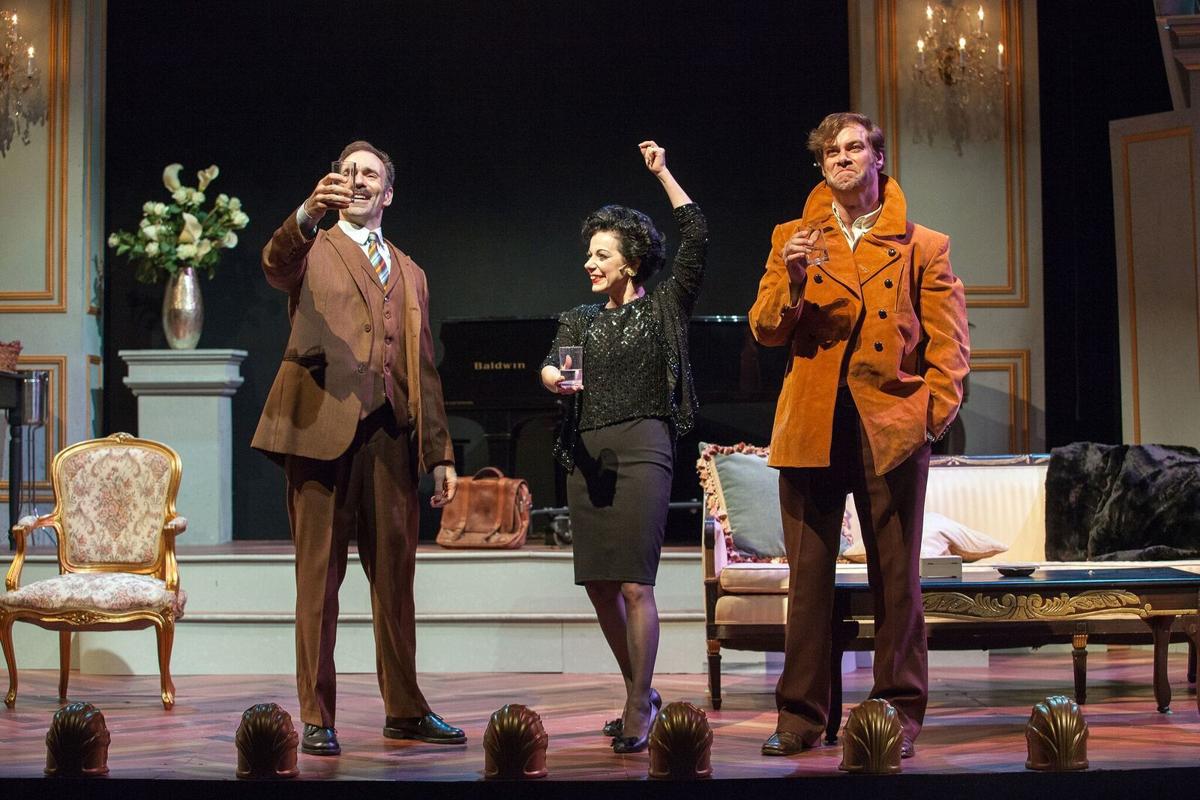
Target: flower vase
{"type": "Point", "coordinates": [183, 309]}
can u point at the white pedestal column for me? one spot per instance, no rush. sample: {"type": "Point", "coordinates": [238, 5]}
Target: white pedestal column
{"type": "Point", "coordinates": [183, 401]}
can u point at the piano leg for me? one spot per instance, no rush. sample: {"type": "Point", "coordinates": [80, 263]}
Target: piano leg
{"type": "Point", "coordinates": [16, 435]}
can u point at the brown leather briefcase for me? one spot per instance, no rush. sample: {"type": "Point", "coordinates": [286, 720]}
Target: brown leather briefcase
{"type": "Point", "coordinates": [488, 511]}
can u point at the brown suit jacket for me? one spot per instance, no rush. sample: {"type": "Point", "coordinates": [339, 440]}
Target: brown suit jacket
{"type": "Point", "coordinates": [325, 383]}
{"type": "Point", "coordinates": [910, 355]}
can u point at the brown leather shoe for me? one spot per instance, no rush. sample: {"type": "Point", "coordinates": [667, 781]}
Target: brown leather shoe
{"type": "Point", "coordinates": [907, 748]}
{"type": "Point", "coordinates": [318, 741]}
{"type": "Point", "coordinates": [429, 728]}
{"type": "Point", "coordinates": [786, 743]}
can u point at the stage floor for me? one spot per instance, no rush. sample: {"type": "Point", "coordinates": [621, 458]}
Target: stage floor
{"type": "Point", "coordinates": [975, 725]}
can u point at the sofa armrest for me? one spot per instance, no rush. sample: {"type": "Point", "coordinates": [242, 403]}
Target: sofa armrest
{"type": "Point", "coordinates": [713, 553]}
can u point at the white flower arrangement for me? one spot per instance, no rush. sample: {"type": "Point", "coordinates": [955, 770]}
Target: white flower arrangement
{"type": "Point", "coordinates": [180, 234]}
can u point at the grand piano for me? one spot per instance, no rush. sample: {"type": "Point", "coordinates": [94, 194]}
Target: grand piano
{"type": "Point", "coordinates": [505, 418]}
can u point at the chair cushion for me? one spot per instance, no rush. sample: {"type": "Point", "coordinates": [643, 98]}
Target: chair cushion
{"type": "Point", "coordinates": [743, 496]}
{"type": "Point", "coordinates": [109, 592]}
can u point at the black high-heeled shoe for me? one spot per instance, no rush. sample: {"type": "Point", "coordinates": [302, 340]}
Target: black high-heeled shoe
{"type": "Point", "coordinates": [613, 727]}
{"type": "Point", "coordinates": [634, 744]}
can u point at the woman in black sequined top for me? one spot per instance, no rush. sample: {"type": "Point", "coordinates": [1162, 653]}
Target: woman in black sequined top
{"type": "Point", "coordinates": [618, 439]}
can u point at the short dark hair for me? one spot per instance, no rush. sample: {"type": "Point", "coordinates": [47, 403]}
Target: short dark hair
{"type": "Point", "coordinates": [820, 136]}
{"type": "Point", "coordinates": [362, 144]}
{"type": "Point", "coordinates": [637, 237]}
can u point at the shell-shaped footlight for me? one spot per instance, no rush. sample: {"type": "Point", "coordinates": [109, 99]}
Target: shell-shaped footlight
{"type": "Point", "coordinates": [266, 743]}
{"type": "Point", "coordinates": [872, 738]}
{"type": "Point", "coordinates": [681, 743]}
{"type": "Point", "coordinates": [1057, 736]}
{"type": "Point", "coordinates": [514, 744]}
{"type": "Point", "coordinates": [77, 742]}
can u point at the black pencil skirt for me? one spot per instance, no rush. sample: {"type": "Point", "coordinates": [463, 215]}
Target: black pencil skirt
{"type": "Point", "coordinates": [618, 496]}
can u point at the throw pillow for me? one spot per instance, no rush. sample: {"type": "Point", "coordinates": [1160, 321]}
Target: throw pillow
{"type": "Point", "coordinates": [942, 536]}
{"type": "Point", "coordinates": [743, 496]}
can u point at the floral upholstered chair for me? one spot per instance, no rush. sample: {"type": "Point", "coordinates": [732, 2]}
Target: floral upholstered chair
{"type": "Point", "coordinates": [115, 521]}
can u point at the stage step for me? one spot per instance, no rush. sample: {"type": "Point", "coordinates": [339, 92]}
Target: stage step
{"type": "Point", "coordinates": [477, 611]}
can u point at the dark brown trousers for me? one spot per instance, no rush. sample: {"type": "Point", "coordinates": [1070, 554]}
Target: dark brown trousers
{"type": "Point", "coordinates": [368, 493]}
{"type": "Point", "coordinates": [890, 509]}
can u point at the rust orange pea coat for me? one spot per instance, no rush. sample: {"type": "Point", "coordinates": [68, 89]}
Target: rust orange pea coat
{"type": "Point", "coordinates": [905, 366]}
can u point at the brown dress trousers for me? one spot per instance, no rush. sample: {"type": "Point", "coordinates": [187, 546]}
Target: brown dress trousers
{"type": "Point", "coordinates": [890, 509]}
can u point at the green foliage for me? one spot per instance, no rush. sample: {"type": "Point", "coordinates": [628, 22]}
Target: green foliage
{"type": "Point", "coordinates": [179, 234]}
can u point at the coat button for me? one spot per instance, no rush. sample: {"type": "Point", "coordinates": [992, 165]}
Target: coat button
{"type": "Point", "coordinates": [892, 251]}
{"type": "Point", "coordinates": [882, 314]}
{"type": "Point", "coordinates": [362, 368]}
{"type": "Point", "coordinates": [367, 327]}
{"type": "Point", "coordinates": [879, 347]}
{"type": "Point", "coordinates": [818, 279]}
{"type": "Point", "coordinates": [888, 283]}
{"type": "Point", "coordinates": [387, 314]}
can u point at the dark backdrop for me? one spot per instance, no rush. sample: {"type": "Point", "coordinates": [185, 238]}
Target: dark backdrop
{"type": "Point", "coordinates": [508, 122]}
{"type": "Point", "coordinates": [1098, 61]}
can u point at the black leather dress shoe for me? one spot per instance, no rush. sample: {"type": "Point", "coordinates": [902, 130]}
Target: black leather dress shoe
{"type": "Point", "coordinates": [614, 727]}
{"type": "Point", "coordinates": [320, 741]}
{"type": "Point", "coordinates": [429, 728]}
{"type": "Point", "coordinates": [786, 743]}
{"type": "Point", "coordinates": [907, 748]}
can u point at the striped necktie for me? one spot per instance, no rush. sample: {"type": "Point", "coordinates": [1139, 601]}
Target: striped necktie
{"type": "Point", "coordinates": [376, 257]}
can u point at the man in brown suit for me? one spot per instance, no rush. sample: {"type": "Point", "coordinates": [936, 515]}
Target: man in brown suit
{"type": "Point", "coordinates": [877, 326]}
{"type": "Point", "coordinates": [354, 415]}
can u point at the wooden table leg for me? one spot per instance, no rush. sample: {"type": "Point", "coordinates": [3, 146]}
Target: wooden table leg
{"type": "Point", "coordinates": [835, 692]}
{"type": "Point", "coordinates": [1079, 658]}
{"type": "Point", "coordinates": [1193, 632]}
{"type": "Point", "coordinates": [1160, 626]}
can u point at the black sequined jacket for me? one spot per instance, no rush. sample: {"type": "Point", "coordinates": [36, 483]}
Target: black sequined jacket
{"type": "Point", "coordinates": [663, 312]}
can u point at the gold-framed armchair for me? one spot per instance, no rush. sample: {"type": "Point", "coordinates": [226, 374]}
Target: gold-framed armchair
{"type": "Point", "coordinates": [115, 521]}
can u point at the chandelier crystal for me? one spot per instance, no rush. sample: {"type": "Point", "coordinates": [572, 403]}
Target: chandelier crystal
{"type": "Point", "coordinates": [20, 81]}
{"type": "Point", "coordinates": [959, 76]}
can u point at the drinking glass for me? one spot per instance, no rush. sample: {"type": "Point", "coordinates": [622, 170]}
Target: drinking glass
{"type": "Point", "coordinates": [819, 255]}
{"type": "Point", "coordinates": [570, 364]}
{"type": "Point", "coordinates": [349, 171]}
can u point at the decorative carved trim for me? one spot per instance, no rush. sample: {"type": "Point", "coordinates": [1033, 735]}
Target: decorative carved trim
{"type": "Point", "coordinates": [956, 605]}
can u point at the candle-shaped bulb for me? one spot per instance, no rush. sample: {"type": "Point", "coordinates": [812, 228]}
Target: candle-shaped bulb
{"type": "Point", "coordinates": [999, 56]}
{"type": "Point", "coordinates": [928, 13]}
{"type": "Point", "coordinates": [980, 19]}
{"type": "Point", "coordinates": [921, 52]}
{"type": "Point", "coordinates": [29, 63]}
{"type": "Point", "coordinates": [962, 43]}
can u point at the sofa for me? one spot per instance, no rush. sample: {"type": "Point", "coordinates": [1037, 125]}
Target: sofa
{"type": "Point", "coordinates": [999, 501]}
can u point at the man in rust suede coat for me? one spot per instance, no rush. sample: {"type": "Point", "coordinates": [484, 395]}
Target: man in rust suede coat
{"type": "Point", "coordinates": [354, 414]}
{"type": "Point", "coordinates": [876, 323]}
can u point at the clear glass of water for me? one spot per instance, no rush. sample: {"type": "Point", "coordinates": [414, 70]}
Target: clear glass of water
{"type": "Point", "coordinates": [570, 364]}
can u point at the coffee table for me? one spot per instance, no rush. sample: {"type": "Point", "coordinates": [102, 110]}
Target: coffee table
{"type": "Point", "coordinates": [1111, 605]}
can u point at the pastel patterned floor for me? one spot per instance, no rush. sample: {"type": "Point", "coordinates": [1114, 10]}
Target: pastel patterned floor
{"type": "Point", "coordinates": [975, 724]}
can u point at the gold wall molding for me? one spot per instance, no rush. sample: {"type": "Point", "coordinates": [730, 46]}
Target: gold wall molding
{"type": "Point", "coordinates": [1014, 292]}
{"type": "Point", "coordinates": [1014, 364]}
{"type": "Point", "coordinates": [1186, 133]}
{"type": "Point", "coordinates": [58, 84]}
{"type": "Point", "coordinates": [55, 432]}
